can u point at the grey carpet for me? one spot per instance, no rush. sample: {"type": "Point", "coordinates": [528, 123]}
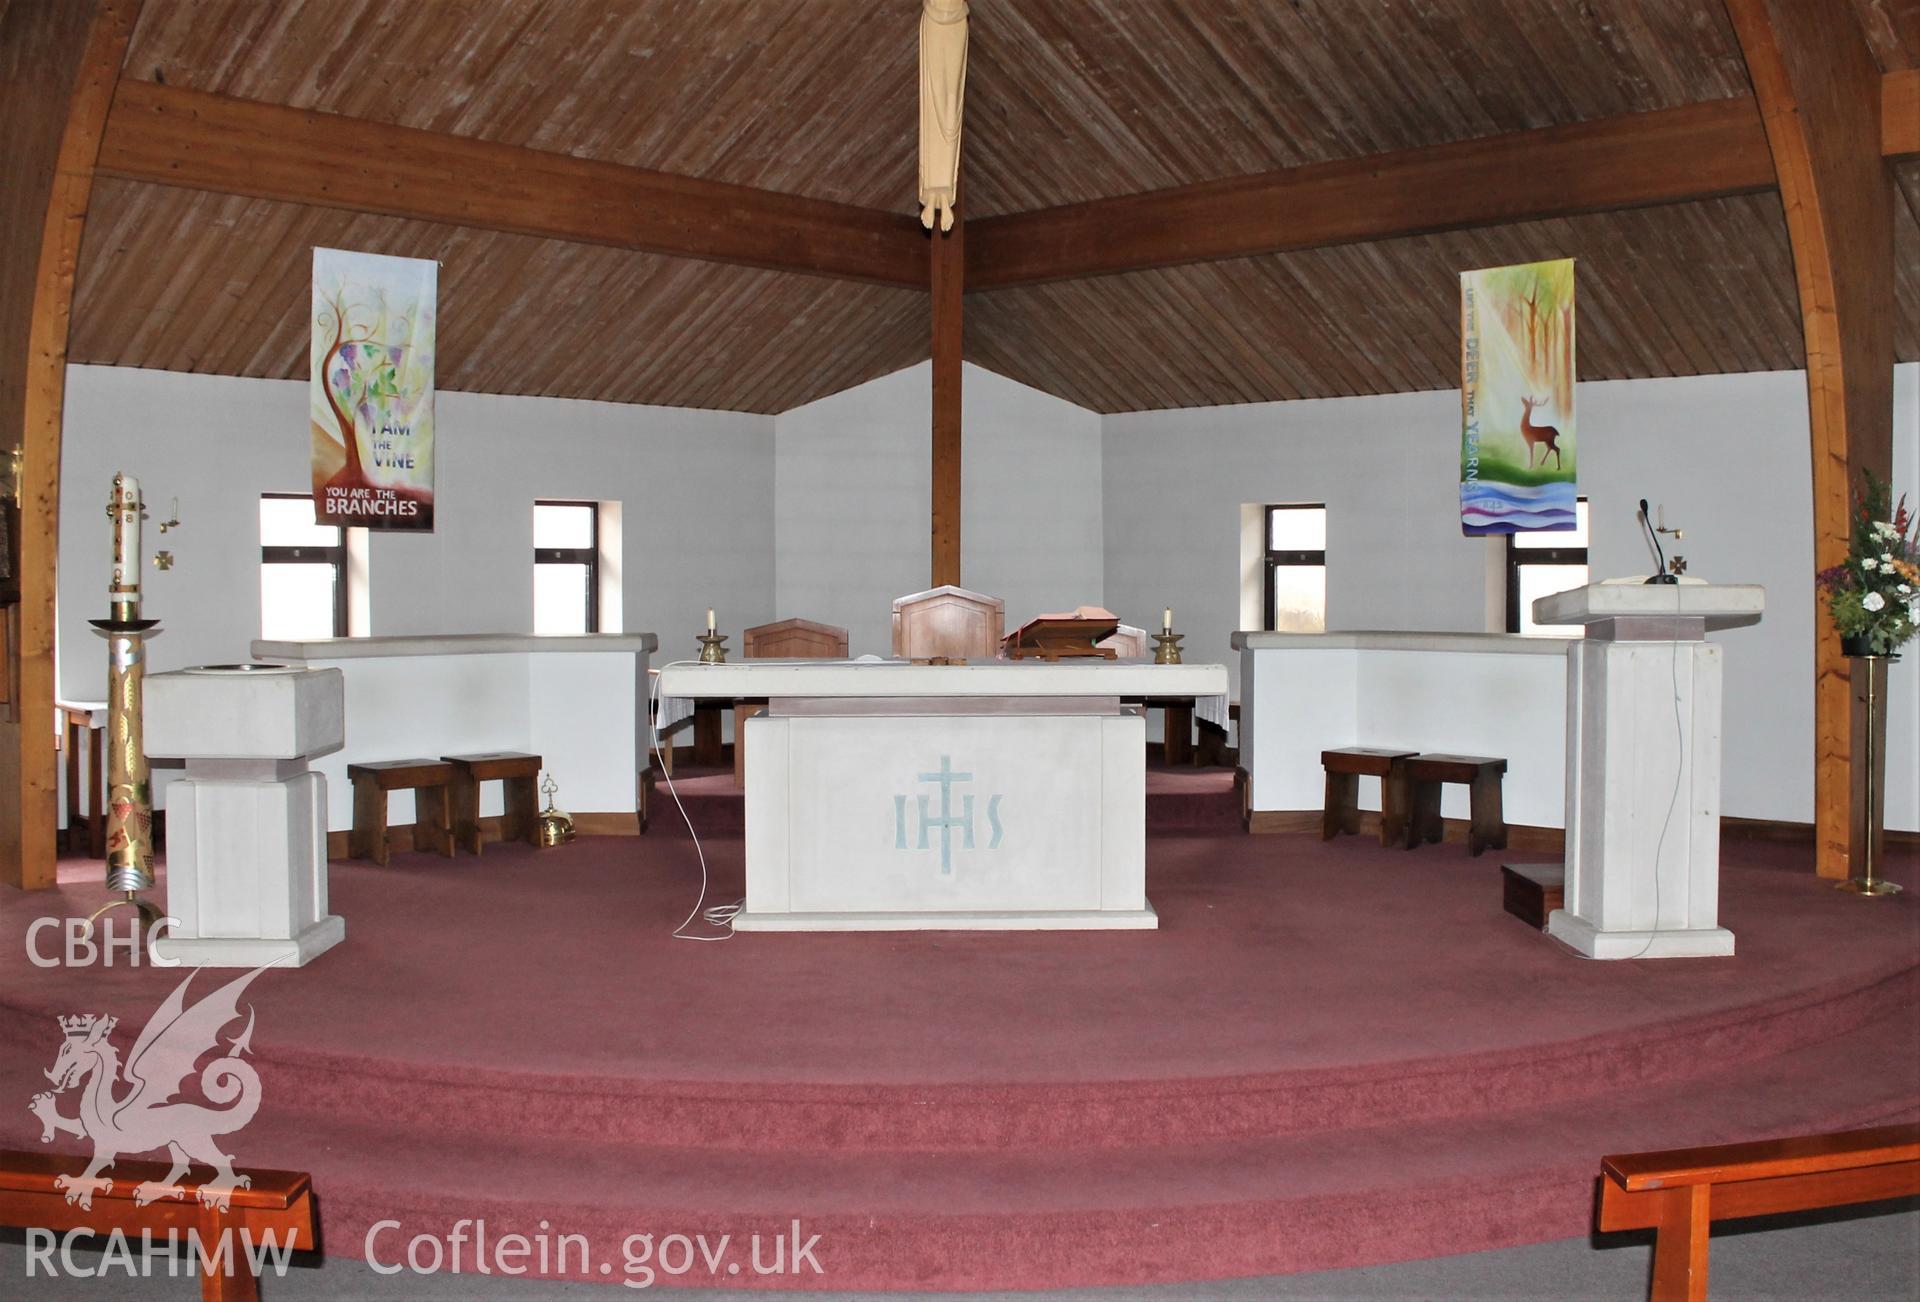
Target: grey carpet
{"type": "Point", "coordinates": [1860, 1253]}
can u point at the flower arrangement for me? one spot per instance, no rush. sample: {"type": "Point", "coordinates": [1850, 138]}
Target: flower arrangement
{"type": "Point", "coordinates": [1874, 595]}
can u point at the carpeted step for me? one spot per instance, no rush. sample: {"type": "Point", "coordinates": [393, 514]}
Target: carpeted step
{"type": "Point", "coordinates": [485, 1104]}
{"type": "Point", "coordinates": [1388, 1190]}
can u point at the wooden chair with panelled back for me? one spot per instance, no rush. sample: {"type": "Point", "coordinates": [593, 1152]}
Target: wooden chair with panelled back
{"type": "Point", "coordinates": [948, 623]}
{"type": "Point", "coordinates": [794, 639]}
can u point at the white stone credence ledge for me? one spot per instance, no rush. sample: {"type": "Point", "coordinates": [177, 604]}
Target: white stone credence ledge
{"type": "Point", "coordinates": [1382, 640]}
{"type": "Point", "coordinates": [900, 678]}
{"type": "Point", "coordinates": [449, 644]}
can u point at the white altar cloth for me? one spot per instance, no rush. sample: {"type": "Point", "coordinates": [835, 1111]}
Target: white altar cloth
{"type": "Point", "coordinates": [988, 796]}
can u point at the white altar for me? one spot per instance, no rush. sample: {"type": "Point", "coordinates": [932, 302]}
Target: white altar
{"type": "Point", "coordinates": [578, 702]}
{"type": "Point", "coordinates": [988, 796]}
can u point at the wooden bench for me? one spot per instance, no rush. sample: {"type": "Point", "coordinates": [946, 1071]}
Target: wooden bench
{"type": "Point", "coordinates": [429, 780]}
{"type": "Point", "coordinates": [1345, 767]}
{"type": "Point", "coordinates": [1482, 774]}
{"type": "Point", "coordinates": [519, 776]}
{"type": "Point", "coordinates": [276, 1203]}
{"type": "Point", "coordinates": [1681, 1192]}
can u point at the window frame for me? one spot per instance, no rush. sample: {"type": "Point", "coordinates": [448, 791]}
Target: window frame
{"type": "Point", "coordinates": [1518, 556]}
{"type": "Point", "coordinates": [588, 556]}
{"type": "Point", "coordinates": [1277, 558]}
{"type": "Point", "coordinates": [336, 556]}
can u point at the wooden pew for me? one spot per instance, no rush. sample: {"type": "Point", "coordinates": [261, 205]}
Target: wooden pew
{"type": "Point", "coordinates": [1681, 1192]}
{"type": "Point", "coordinates": [279, 1203]}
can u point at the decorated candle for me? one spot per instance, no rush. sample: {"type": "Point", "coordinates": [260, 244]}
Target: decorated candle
{"type": "Point", "coordinates": [125, 510]}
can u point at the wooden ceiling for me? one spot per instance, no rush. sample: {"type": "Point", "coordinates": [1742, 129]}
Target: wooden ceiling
{"type": "Point", "coordinates": [1066, 102]}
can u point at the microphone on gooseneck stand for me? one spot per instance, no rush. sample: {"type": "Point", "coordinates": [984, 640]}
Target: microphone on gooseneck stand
{"type": "Point", "coordinates": [1646, 522]}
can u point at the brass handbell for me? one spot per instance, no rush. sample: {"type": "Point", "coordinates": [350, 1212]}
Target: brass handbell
{"type": "Point", "coordinates": [556, 825]}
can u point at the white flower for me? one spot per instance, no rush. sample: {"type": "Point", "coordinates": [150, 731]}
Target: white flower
{"type": "Point", "coordinates": [1884, 528]}
{"type": "Point", "coordinates": [1886, 558]}
{"type": "Point", "coordinates": [1873, 601]}
{"type": "Point", "coordinates": [1904, 589]}
{"type": "Point", "coordinates": [1868, 563]}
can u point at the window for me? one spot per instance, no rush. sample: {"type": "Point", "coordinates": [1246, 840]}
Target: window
{"type": "Point", "coordinates": [566, 567]}
{"type": "Point", "coordinates": [1539, 564]}
{"type": "Point", "coordinates": [303, 572]}
{"type": "Point", "coordinates": [1297, 568]}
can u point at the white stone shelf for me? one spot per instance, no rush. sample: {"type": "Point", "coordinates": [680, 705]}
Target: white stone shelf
{"type": "Point", "coordinates": [900, 678]}
{"type": "Point", "coordinates": [449, 644]}
{"type": "Point", "coordinates": [1479, 643]}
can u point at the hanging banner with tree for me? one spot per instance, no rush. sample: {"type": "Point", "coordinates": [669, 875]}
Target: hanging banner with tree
{"type": "Point", "coordinates": [370, 404]}
{"type": "Point", "coordinates": [1516, 399]}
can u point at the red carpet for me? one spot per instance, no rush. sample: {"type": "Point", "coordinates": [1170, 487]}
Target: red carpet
{"type": "Point", "coordinates": [1328, 1055]}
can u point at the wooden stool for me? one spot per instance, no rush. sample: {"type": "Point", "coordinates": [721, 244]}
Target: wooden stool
{"type": "Point", "coordinates": [427, 779]}
{"type": "Point", "coordinates": [519, 776]}
{"type": "Point", "coordinates": [1481, 774]}
{"type": "Point", "coordinates": [1345, 767]}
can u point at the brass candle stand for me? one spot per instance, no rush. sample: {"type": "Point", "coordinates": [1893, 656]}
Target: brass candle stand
{"type": "Point", "coordinates": [129, 791]}
{"type": "Point", "coordinates": [713, 648]}
{"type": "Point", "coordinates": [1167, 647]}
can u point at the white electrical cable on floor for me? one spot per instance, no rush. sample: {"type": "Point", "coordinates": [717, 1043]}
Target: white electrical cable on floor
{"type": "Point", "coordinates": [720, 915]}
{"type": "Point", "coordinates": [1679, 770]}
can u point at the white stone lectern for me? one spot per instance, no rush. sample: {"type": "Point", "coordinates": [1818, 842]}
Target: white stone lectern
{"type": "Point", "coordinates": [1643, 766]}
{"type": "Point", "coordinates": [247, 825]}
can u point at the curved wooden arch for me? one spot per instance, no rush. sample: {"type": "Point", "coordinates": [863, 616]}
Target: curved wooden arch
{"type": "Point", "coordinates": [59, 64]}
{"type": "Point", "coordinates": [1820, 96]}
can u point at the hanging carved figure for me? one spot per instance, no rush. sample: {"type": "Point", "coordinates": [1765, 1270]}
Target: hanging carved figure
{"type": "Point", "coordinates": [943, 88]}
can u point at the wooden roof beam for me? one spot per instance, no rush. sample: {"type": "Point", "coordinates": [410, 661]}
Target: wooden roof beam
{"type": "Point", "coordinates": [201, 141]}
{"type": "Point", "coordinates": [1698, 151]}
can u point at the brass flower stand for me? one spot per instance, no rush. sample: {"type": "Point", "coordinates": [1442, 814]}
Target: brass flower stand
{"type": "Point", "coordinates": [1868, 882]}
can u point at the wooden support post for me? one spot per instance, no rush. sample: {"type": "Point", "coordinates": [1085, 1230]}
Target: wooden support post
{"type": "Point", "coordinates": [1680, 1245]}
{"type": "Point", "coordinates": [1820, 94]}
{"type": "Point", "coordinates": [948, 277]}
{"type": "Point", "coordinates": [59, 63]}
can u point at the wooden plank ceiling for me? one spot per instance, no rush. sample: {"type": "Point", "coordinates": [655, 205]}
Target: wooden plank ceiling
{"type": "Point", "coordinates": [1066, 102]}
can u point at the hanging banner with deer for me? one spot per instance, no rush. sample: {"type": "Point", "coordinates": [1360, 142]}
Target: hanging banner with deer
{"type": "Point", "coordinates": [1516, 399]}
{"type": "Point", "coordinates": [370, 403]}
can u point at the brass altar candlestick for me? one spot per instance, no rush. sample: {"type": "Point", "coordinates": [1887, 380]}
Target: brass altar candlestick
{"type": "Point", "coordinates": [129, 790]}
{"type": "Point", "coordinates": [1167, 642]}
{"type": "Point", "coordinates": [713, 646]}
